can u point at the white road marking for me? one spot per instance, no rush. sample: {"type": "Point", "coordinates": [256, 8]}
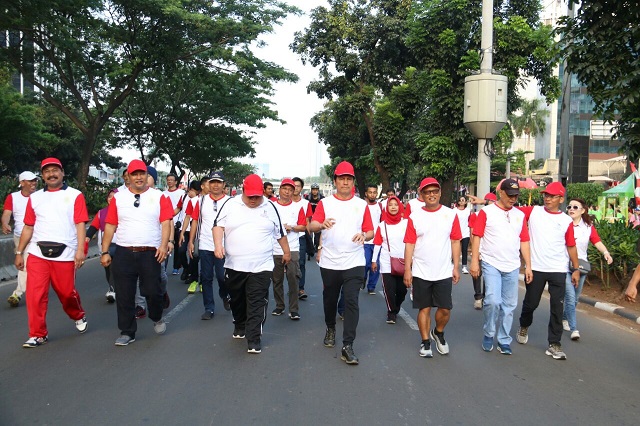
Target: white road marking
{"type": "Point", "coordinates": [178, 308]}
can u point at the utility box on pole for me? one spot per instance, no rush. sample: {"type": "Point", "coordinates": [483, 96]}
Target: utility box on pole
{"type": "Point", "coordinates": [485, 104]}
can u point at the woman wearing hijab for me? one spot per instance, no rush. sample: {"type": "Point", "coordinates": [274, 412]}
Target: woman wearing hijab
{"type": "Point", "coordinates": [97, 226]}
{"type": "Point", "coordinates": [389, 244]}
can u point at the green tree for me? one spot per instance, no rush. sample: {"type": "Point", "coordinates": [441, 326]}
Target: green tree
{"type": "Point", "coordinates": [89, 54]}
{"type": "Point", "coordinates": [530, 121]}
{"type": "Point", "coordinates": [601, 47]}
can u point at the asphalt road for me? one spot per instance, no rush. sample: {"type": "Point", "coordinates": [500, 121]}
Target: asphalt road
{"type": "Point", "coordinates": [196, 374]}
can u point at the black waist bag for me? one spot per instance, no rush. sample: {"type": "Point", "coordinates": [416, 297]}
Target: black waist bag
{"type": "Point", "coordinates": [50, 249]}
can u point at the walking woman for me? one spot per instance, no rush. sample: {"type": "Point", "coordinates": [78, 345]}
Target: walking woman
{"type": "Point", "coordinates": [584, 232]}
{"type": "Point", "coordinates": [97, 227]}
{"type": "Point", "coordinates": [389, 244]}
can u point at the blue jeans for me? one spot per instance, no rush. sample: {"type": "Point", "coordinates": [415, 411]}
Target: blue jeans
{"type": "Point", "coordinates": [373, 276]}
{"type": "Point", "coordinates": [208, 265]}
{"type": "Point", "coordinates": [571, 296]}
{"type": "Point", "coordinates": [500, 300]}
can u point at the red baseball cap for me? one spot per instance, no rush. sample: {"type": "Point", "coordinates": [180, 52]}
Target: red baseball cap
{"type": "Point", "coordinates": [344, 168]}
{"type": "Point", "coordinates": [490, 196]}
{"type": "Point", "coordinates": [50, 161]}
{"type": "Point", "coordinates": [136, 165]}
{"type": "Point", "coordinates": [554, 188]}
{"type": "Point", "coordinates": [428, 181]}
{"type": "Point", "coordinates": [287, 181]}
{"type": "Point", "coordinates": [252, 186]}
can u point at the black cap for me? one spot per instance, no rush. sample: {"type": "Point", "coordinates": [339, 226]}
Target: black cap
{"type": "Point", "coordinates": [510, 186]}
{"type": "Point", "coordinates": [216, 176]}
{"type": "Point", "coordinates": [315, 186]}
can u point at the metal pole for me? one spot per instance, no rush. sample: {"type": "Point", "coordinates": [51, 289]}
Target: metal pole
{"type": "Point", "coordinates": [486, 44]}
{"type": "Point", "coordinates": [565, 111]}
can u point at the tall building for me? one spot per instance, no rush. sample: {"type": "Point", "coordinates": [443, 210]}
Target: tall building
{"type": "Point", "coordinates": [18, 80]}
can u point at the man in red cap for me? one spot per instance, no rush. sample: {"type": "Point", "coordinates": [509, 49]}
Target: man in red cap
{"type": "Point", "coordinates": [346, 224]}
{"type": "Point", "coordinates": [54, 230]}
{"type": "Point", "coordinates": [243, 235]}
{"type": "Point", "coordinates": [553, 251]}
{"type": "Point", "coordinates": [293, 220]}
{"type": "Point", "coordinates": [143, 217]}
{"type": "Point", "coordinates": [432, 256]}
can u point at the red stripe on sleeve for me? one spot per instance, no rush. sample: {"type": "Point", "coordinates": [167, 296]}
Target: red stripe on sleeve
{"type": "Point", "coordinates": [407, 209]}
{"type": "Point", "coordinates": [309, 211]}
{"type": "Point", "coordinates": [189, 210]}
{"type": "Point", "coordinates": [302, 219]}
{"type": "Point", "coordinates": [456, 233]}
{"type": "Point", "coordinates": [112, 213]}
{"type": "Point", "coordinates": [527, 211]}
{"type": "Point", "coordinates": [480, 223]}
{"type": "Point", "coordinates": [166, 208]}
{"type": "Point", "coordinates": [367, 223]}
{"type": "Point", "coordinates": [472, 220]}
{"type": "Point", "coordinates": [569, 237]}
{"type": "Point", "coordinates": [8, 203]}
{"type": "Point", "coordinates": [524, 233]}
{"type": "Point", "coordinates": [29, 214]}
{"type": "Point", "coordinates": [410, 235]}
{"type": "Point", "coordinates": [377, 239]}
{"type": "Point", "coordinates": [594, 237]}
{"type": "Point", "coordinates": [96, 221]}
{"type": "Point", "coordinates": [318, 216]}
{"type": "Point", "coordinates": [80, 213]}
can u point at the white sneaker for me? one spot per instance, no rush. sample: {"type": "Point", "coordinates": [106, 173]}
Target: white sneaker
{"type": "Point", "coordinates": [565, 325]}
{"type": "Point", "coordinates": [477, 304]}
{"type": "Point", "coordinates": [111, 296]}
{"type": "Point", "coordinates": [465, 270]}
{"type": "Point", "coordinates": [160, 327]}
{"type": "Point", "coordinates": [575, 335]}
{"type": "Point", "coordinates": [425, 350]}
{"type": "Point", "coordinates": [82, 324]}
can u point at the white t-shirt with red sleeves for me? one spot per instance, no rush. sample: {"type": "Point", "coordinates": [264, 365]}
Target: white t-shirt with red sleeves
{"type": "Point", "coordinates": [463, 218]}
{"type": "Point", "coordinates": [290, 214]}
{"type": "Point", "coordinates": [306, 208]}
{"type": "Point", "coordinates": [501, 231]}
{"type": "Point", "coordinates": [187, 210]}
{"type": "Point", "coordinates": [175, 196]}
{"type": "Point", "coordinates": [54, 215]}
{"type": "Point", "coordinates": [351, 217]}
{"type": "Point", "coordinates": [432, 232]}
{"type": "Point", "coordinates": [139, 226]}
{"type": "Point", "coordinates": [376, 216]}
{"type": "Point", "coordinates": [395, 234]}
{"type": "Point", "coordinates": [550, 234]}
{"type": "Point", "coordinates": [209, 210]}
{"type": "Point", "coordinates": [249, 234]}
{"type": "Point", "coordinates": [17, 203]}
{"type": "Point", "coordinates": [413, 205]}
{"type": "Point", "coordinates": [583, 234]}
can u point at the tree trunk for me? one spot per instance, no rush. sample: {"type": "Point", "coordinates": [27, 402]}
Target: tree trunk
{"type": "Point", "coordinates": [90, 138]}
{"type": "Point", "coordinates": [446, 191]}
{"type": "Point", "coordinates": [385, 177]}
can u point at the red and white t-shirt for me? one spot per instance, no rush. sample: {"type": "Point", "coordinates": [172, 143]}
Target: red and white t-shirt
{"type": "Point", "coordinates": [413, 205]}
{"type": "Point", "coordinates": [293, 215]}
{"type": "Point", "coordinates": [139, 226]}
{"type": "Point", "coordinates": [249, 234]}
{"type": "Point", "coordinates": [351, 217]}
{"type": "Point", "coordinates": [17, 203]}
{"type": "Point", "coordinates": [551, 233]}
{"type": "Point", "coordinates": [187, 210]}
{"type": "Point", "coordinates": [472, 219]}
{"type": "Point", "coordinates": [501, 231]}
{"type": "Point", "coordinates": [54, 215]}
{"type": "Point", "coordinates": [432, 231]}
{"type": "Point", "coordinates": [463, 218]}
{"type": "Point", "coordinates": [395, 233]}
{"type": "Point", "coordinates": [306, 208]}
{"type": "Point", "coordinates": [207, 207]}
{"type": "Point", "coordinates": [584, 233]}
{"type": "Point", "coordinates": [376, 216]}
{"type": "Point", "coordinates": [176, 196]}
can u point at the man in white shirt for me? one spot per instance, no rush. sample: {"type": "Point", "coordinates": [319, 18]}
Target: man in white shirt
{"type": "Point", "coordinates": [305, 241]}
{"type": "Point", "coordinates": [346, 224]}
{"type": "Point", "coordinates": [177, 197]}
{"type": "Point", "coordinates": [15, 204]}
{"type": "Point", "coordinates": [248, 224]}
{"type": "Point", "coordinates": [371, 277]}
{"type": "Point", "coordinates": [463, 212]}
{"type": "Point", "coordinates": [142, 216]}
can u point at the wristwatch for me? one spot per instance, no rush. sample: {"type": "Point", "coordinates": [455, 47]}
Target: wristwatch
{"type": "Point", "coordinates": [103, 253]}
{"type": "Point", "coordinates": [18, 252]}
{"type": "Point", "coordinates": [319, 247]}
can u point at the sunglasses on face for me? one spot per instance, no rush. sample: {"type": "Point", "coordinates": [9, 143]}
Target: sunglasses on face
{"type": "Point", "coordinates": [136, 203]}
{"type": "Point", "coordinates": [573, 207]}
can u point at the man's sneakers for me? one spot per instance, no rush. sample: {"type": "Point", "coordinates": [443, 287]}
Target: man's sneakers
{"type": "Point", "coordinates": [391, 318]}
{"type": "Point", "coordinates": [348, 356]}
{"type": "Point", "coordinates": [330, 338]}
{"type": "Point", "coordinates": [192, 287]}
{"type": "Point", "coordinates": [425, 349]}
{"type": "Point", "coordinates": [110, 296]}
{"type": "Point", "coordinates": [277, 312]}
{"type": "Point", "coordinates": [487, 344]}
{"type": "Point", "coordinates": [294, 316]}
{"type": "Point", "coordinates": [302, 295]}
{"type": "Point", "coordinates": [555, 351]}
{"type": "Point", "coordinates": [504, 349]}
{"type": "Point", "coordinates": [522, 336]}
{"type": "Point", "coordinates": [254, 347]}
{"type": "Point", "coordinates": [124, 340]}
{"type": "Point", "coordinates": [238, 333]}
{"type": "Point", "coordinates": [372, 292]}
{"type": "Point", "coordinates": [227, 304]}
{"type": "Point", "coordinates": [464, 269]}
{"type": "Point", "coordinates": [82, 324]}
{"type": "Point", "coordinates": [441, 345]}
{"type": "Point", "coordinates": [140, 312]}
{"type": "Point", "coordinates": [160, 326]}
{"type": "Point", "coordinates": [184, 275]}
{"type": "Point", "coordinates": [477, 304]}
{"type": "Point", "coordinates": [575, 335]}
{"type": "Point", "coordinates": [14, 300]}
{"type": "Point", "coordinates": [175, 272]}
{"type": "Point", "coordinates": [34, 342]}
{"type": "Point", "coordinates": [565, 325]}
{"type": "Point", "coordinates": [208, 315]}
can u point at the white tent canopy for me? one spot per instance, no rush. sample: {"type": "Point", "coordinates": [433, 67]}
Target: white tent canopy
{"type": "Point", "coordinates": [600, 178]}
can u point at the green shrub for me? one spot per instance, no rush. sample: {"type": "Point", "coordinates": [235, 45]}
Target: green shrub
{"type": "Point", "coordinates": [8, 185]}
{"type": "Point", "coordinates": [589, 192]}
{"type": "Point", "coordinates": [621, 242]}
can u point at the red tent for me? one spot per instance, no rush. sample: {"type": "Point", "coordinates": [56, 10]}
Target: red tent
{"type": "Point", "coordinates": [527, 183]}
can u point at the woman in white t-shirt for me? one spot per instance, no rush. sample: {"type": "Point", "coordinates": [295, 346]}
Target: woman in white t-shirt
{"type": "Point", "coordinates": [584, 232]}
{"type": "Point", "coordinates": [463, 212]}
{"type": "Point", "coordinates": [388, 242]}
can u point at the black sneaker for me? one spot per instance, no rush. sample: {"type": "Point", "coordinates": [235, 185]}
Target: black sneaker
{"type": "Point", "coordinates": [254, 347]}
{"type": "Point", "coordinates": [294, 316]}
{"type": "Point", "coordinates": [207, 315]}
{"type": "Point", "coordinates": [330, 338]}
{"type": "Point", "coordinates": [348, 356]}
{"type": "Point", "coordinates": [302, 295]}
{"type": "Point", "coordinates": [184, 275]}
{"type": "Point", "coordinates": [140, 312]}
{"type": "Point", "coordinates": [391, 318]}
{"type": "Point", "coordinates": [238, 333]}
{"type": "Point", "coordinates": [227, 304]}
{"type": "Point", "coordinates": [277, 312]}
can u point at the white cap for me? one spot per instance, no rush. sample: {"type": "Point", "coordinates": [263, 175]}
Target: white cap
{"type": "Point", "coordinates": [27, 176]}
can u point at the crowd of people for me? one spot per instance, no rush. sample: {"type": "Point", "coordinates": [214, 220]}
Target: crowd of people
{"type": "Point", "coordinates": [253, 241]}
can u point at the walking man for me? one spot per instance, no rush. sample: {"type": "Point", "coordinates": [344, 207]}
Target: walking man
{"type": "Point", "coordinates": [553, 250]}
{"type": "Point", "coordinates": [16, 204]}
{"type": "Point", "coordinates": [346, 224]}
{"type": "Point", "coordinates": [177, 197]}
{"type": "Point", "coordinates": [305, 242]}
{"type": "Point", "coordinates": [500, 234]}
{"type": "Point", "coordinates": [53, 234]}
{"type": "Point", "coordinates": [432, 257]}
{"type": "Point", "coordinates": [142, 216]}
{"type": "Point", "coordinates": [371, 276]}
{"type": "Point", "coordinates": [243, 235]}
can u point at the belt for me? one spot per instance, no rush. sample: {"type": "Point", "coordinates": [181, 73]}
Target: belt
{"type": "Point", "coordinates": [139, 249]}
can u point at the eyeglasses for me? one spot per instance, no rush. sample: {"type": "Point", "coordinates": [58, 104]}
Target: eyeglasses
{"type": "Point", "coordinates": [431, 192]}
{"type": "Point", "coordinates": [136, 203]}
{"type": "Point", "coordinates": [546, 195]}
{"type": "Point", "coordinates": [569, 207]}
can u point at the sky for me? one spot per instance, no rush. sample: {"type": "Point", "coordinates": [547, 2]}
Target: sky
{"type": "Point", "coordinates": [290, 149]}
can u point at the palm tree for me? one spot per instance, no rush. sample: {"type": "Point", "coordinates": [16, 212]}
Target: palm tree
{"type": "Point", "coordinates": [530, 122]}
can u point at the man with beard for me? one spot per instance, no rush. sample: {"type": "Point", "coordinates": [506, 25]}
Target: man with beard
{"type": "Point", "coordinates": [371, 276]}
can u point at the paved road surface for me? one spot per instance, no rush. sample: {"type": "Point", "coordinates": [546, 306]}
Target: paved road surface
{"type": "Point", "coordinates": [196, 374]}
